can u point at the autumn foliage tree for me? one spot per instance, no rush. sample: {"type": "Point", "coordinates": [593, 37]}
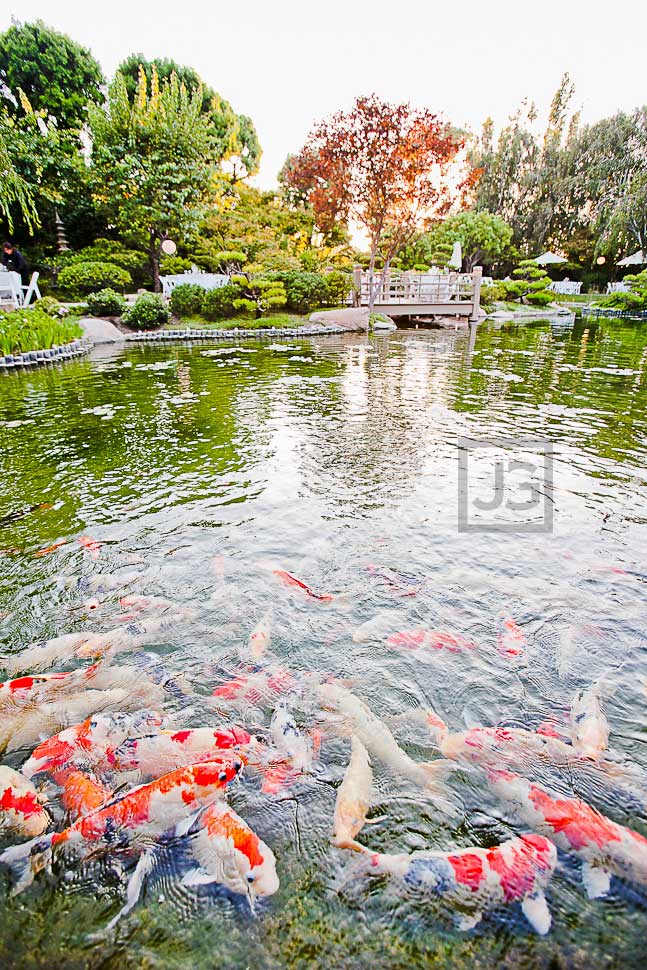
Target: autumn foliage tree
{"type": "Point", "coordinates": [379, 165]}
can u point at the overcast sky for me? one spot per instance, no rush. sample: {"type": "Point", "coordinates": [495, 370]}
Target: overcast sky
{"type": "Point", "coordinates": [289, 62]}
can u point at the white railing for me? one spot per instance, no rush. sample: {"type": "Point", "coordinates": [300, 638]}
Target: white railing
{"type": "Point", "coordinates": [566, 287]}
{"type": "Point", "coordinates": [397, 287]}
{"type": "Point", "coordinates": [618, 287]}
{"type": "Point", "coordinates": [208, 281]}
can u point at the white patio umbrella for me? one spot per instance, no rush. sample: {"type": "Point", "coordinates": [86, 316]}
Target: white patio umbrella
{"type": "Point", "coordinates": [546, 259]}
{"type": "Point", "coordinates": [636, 259]}
{"type": "Point", "coordinates": [456, 260]}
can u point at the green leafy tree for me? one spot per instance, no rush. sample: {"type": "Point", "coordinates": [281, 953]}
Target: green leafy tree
{"type": "Point", "coordinates": [484, 238]}
{"type": "Point", "coordinates": [153, 169]}
{"type": "Point", "coordinates": [57, 75]}
{"type": "Point", "coordinates": [16, 195]}
{"type": "Point", "coordinates": [234, 136]}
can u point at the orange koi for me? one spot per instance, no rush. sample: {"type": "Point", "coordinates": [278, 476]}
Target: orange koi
{"type": "Point", "coordinates": [289, 580]}
{"type": "Point", "coordinates": [52, 548]}
{"type": "Point", "coordinates": [512, 642]}
{"type": "Point", "coordinates": [81, 794]}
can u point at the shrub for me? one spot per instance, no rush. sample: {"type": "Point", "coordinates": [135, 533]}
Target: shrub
{"type": "Point", "coordinates": [89, 277]}
{"type": "Point", "coordinates": [50, 306]}
{"type": "Point", "coordinates": [219, 303]}
{"type": "Point", "coordinates": [624, 301]}
{"type": "Point", "coordinates": [259, 295]}
{"type": "Point", "coordinates": [106, 303]}
{"type": "Point", "coordinates": [539, 298]}
{"type": "Point", "coordinates": [304, 291]}
{"type": "Point", "coordinates": [340, 286]}
{"type": "Point", "coordinates": [187, 299]}
{"type": "Point", "coordinates": [493, 294]}
{"type": "Point", "coordinates": [149, 310]}
{"type": "Point", "coordinates": [174, 265]}
{"type": "Point", "coordinates": [230, 261]}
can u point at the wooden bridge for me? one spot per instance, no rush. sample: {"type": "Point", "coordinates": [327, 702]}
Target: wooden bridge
{"type": "Point", "coordinates": [408, 294]}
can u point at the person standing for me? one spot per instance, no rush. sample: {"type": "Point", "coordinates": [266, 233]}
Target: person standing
{"type": "Point", "coordinates": [15, 262]}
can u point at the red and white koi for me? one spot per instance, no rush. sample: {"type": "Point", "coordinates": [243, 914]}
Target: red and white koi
{"type": "Point", "coordinates": [379, 741]}
{"type": "Point", "coordinates": [353, 799]}
{"type": "Point", "coordinates": [256, 686]}
{"type": "Point", "coordinates": [589, 726]}
{"type": "Point", "coordinates": [289, 580]}
{"type": "Point", "coordinates": [20, 808]}
{"type": "Point", "coordinates": [165, 751]}
{"type": "Point", "coordinates": [605, 847]}
{"type": "Point", "coordinates": [423, 641]}
{"type": "Point", "coordinates": [88, 744]}
{"type": "Point", "coordinates": [511, 639]}
{"type": "Point", "coordinates": [142, 812]}
{"type": "Point", "coordinates": [477, 879]}
{"type": "Point", "coordinates": [90, 545]}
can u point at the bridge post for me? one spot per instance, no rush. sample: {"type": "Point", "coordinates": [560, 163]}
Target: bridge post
{"type": "Point", "coordinates": [476, 293]}
{"type": "Point", "coordinates": [357, 286]}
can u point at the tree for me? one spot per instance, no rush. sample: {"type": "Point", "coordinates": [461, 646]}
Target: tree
{"type": "Point", "coordinates": [484, 238]}
{"type": "Point", "coordinates": [379, 165]}
{"type": "Point", "coordinates": [153, 170]}
{"type": "Point", "coordinates": [15, 193]}
{"type": "Point", "coordinates": [234, 136]}
{"type": "Point", "coordinates": [56, 74]}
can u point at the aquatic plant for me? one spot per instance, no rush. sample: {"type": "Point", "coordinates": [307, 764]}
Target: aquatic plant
{"type": "Point", "coordinates": [33, 329]}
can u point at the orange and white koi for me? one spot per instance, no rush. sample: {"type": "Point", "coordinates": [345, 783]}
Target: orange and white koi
{"type": "Point", "coordinates": [511, 639]}
{"type": "Point", "coordinates": [20, 807]}
{"type": "Point", "coordinates": [589, 726]}
{"type": "Point", "coordinates": [289, 580]}
{"type": "Point", "coordinates": [379, 741]}
{"type": "Point", "coordinates": [88, 744]}
{"type": "Point", "coordinates": [260, 639]}
{"type": "Point", "coordinates": [255, 686]}
{"type": "Point", "coordinates": [228, 852]}
{"type": "Point", "coordinates": [293, 745]}
{"type": "Point", "coordinates": [81, 794]}
{"type": "Point", "coordinates": [477, 879]}
{"type": "Point", "coordinates": [353, 799]}
{"type": "Point", "coordinates": [605, 847]}
{"type": "Point", "coordinates": [164, 751]}
{"type": "Point", "coordinates": [423, 641]}
{"type": "Point", "coordinates": [142, 812]}
{"type": "Point", "coordinates": [91, 545]}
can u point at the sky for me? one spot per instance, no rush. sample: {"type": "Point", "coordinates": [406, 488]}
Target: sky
{"type": "Point", "coordinates": [289, 63]}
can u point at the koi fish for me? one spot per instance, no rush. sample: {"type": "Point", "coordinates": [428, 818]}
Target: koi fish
{"type": "Point", "coordinates": [400, 583]}
{"type": "Point", "coordinates": [477, 879]}
{"type": "Point", "coordinates": [353, 799]}
{"type": "Point", "coordinates": [230, 853]}
{"type": "Point", "coordinates": [40, 656]}
{"type": "Point", "coordinates": [136, 603]}
{"type": "Point", "coordinates": [260, 638]}
{"type": "Point", "coordinates": [164, 751]}
{"type": "Point", "coordinates": [377, 627]}
{"type": "Point", "coordinates": [81, 794]}
{"type": "Point", "coordinates": [589, 726]}
{"type": "Point", "coordinates": [260, 685]}
{"type": "Point", "coordinates": [91, 545]}
{"type": "Point", "coordinates": [434, 639]}
{"type": "Point", "coordinates": [605, 847]}
{"type": "Point", "coordinates": [379, 741]}
{"type": "Point", "coordinates": [142, 812]}
{"type": "Point", "coordinates": [511, 639]}
{"type": "Point", "coordinates": [293, 745]}
{"type": "Point", "coordinates": [89, 743]}
{"type": "Point", "coordinates": [108, 582]}
{"type": "Point", "coordinates": [52, 548]}
{"type": "Point", "coordinates": [20, 808]}
{"type": "Point", "coordinates": [289, 580]}
{"type": "Point", "coordinates": [24, 691]}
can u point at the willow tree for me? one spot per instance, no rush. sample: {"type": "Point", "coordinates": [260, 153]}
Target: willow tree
{"type": "Point", "coordinates": [16, 196]}
{"type": "Point", "coordinates": [153, 163]}
{"type": "Point", "coordinates": [379, 165]}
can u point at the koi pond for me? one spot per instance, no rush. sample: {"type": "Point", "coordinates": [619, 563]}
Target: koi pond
{"type": "Point", "coordinates": [427, 549]}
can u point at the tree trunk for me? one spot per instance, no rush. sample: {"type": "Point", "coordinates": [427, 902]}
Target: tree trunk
{"type": "Point", "coordinates": [155, 241]}
{"type": "Point", "coordinates": [371, 276]}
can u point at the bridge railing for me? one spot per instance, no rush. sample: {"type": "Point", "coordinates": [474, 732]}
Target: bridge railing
{"type": "Point", "coordinates": [407, 287]}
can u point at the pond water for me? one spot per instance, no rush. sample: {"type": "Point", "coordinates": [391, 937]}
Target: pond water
{"type": "Point", "coordinates": [205, 468]}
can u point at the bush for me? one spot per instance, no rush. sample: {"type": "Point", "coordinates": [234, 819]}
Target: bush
{"type": "Point", "coordinates": [624, 301]}
{"type": "Point", "coordinates": [257, 296]}
{"type": "Point", "coordinates": [493, 294]}
{"type": "Point", "coordinates": [540, 298]}
{"type": "Point", "coordinates": [149, 310]}
{"type": "Point", "coordinates": [89, 277]}
{"type": "Point", "coordinates": [174, 265]}
{"type": "Point", "coordinates": [50, 306]}
{"type": "Point", "coordinates": [339, 285]}
{"type": "Point", "coordinates": [219, 303]}
{"type": "Point", "coordinates": [106, 303]}
{"type": "Point", "coordinates": [304, 291]}
{"type": "Point", "coordinates": [187, 300]}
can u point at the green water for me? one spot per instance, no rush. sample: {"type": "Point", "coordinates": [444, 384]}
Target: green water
{"type": "Point", "coordinates": [336, 459]}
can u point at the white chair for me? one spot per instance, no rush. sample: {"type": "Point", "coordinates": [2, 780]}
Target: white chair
{"type": "Point", "coordinates": [31, 290]}
{"type": "Point", "coordinates": [11, 288]}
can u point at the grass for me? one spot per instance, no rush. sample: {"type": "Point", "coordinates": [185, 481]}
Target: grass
{"type": "Point", "coordinates": [579, 298]}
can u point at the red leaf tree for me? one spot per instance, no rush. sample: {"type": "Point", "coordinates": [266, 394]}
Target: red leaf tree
{"type": "Point", "coordinates": [382, 166]}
